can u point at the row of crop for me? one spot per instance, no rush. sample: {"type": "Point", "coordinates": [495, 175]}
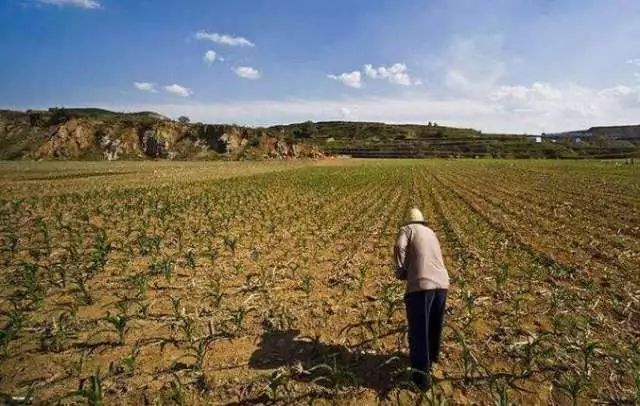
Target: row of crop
{"type": "Point", "coordinates": [573, 299]}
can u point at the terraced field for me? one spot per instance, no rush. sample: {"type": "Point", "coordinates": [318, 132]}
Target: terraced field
{"type": "Point", "coordinates": [235, 283]}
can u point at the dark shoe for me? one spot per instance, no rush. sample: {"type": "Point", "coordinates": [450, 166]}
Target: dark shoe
{"type": "Point", "coordinates": [421, 380]}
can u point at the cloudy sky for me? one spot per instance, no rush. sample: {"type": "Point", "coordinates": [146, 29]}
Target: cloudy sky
{"type": "Point", "coordinates": [495, 65]}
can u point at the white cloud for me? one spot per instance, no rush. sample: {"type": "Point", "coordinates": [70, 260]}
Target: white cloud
{"type": "Point", "coordinates": [550, 107]}
{"type": "Point", "coordinates": [145, 87]}
{"type": "Point", "coordinates": [347, 112]}
{"type": "Point", "coordinates": [457, 80]}
{"type": "Point", "coordinates": [88, 4]}
{"type": "Point", "coordinates": [392, 110]}
{"type": "Point", "coordinates": [634, 61]}
{"type": "Point", "coordinates": [178, 90]}
{"type": "Point", "coordinates": [210, 57]}
{"type": "Point", "coordinates": [545, 100]}
{"type": "Point", "coordinates": [522, 94]}
{"type": "Point", "coordinates": [539, 107]}
{"type": "Point", "coordinates": [474, 65]}
{"type": "Point", "coordinates": [247, 72]}
{"type": "Point", "coordinates": [626, 96]}
{"type": "Point", "coordinates": [396, 73]}
{"type": "Point", "coordinates": [369, 71]}
{"type": "Point", "coordinates": [224, 39]}
{"type": "Point", "coordinates": [352, 79]}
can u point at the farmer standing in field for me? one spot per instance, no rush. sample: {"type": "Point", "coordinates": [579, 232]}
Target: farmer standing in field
{"type": "Point", "coordinates": [418, 260]}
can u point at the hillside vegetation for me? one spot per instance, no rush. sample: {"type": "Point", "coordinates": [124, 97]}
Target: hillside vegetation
{"type": "Point", "coordinates": [368, 140]}
{"type": "Point", "coordinates": [95, 134]}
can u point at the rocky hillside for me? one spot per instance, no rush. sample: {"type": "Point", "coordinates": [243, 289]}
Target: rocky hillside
{"type": "Point", "coordinates": [101, 134]}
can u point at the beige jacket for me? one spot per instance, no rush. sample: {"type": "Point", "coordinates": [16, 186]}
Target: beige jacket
{"type": "Point", "coordinates": [418, 258]}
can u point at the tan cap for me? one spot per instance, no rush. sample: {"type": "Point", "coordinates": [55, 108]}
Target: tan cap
{"type": "Point", "coordinates": [415, 215]}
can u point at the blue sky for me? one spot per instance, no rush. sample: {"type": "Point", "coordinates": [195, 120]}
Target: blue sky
{"type": "Point", "coordinates": [500, 65]}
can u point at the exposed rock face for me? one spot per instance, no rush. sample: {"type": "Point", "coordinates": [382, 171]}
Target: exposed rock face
{"type": "Point", "coordinates": [153, 145]}
{"type": "Point", "coordinates": [112, 148]}
{"type": "Point", "coordinates": [68, 140]}
{"type": "Point", "coordinates": [119, 136]}
{"type": "Point", "coordinates": [233, 140]}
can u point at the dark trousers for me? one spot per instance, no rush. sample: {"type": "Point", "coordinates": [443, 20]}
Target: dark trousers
{"type": "Point", "coordinates": [425, 314]}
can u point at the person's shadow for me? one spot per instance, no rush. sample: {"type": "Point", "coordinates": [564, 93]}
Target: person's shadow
{"type": "Point", "coordinates": [332, 366]}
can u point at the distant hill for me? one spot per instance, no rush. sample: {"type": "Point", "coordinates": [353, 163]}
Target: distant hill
{"type": "Point", "coordinates": [92, 133]}
{"type": "Point", "coordinates": [366, 139]}
{"type": "Point", "coordinates": [619, 132]}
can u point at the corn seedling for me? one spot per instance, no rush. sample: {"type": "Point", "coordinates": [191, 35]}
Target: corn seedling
{"type": "Point", "coordinates": [278, 318]}
{"type": "Point", "coordinates": [148, 245]}
{"type": "Point", "coordinates": [16, 318]}
{"type": "Point", "coordinates": [164, 267]}
{"type": "Point", "coordinates": [92, 394]}
{"type": "Point", "coordinates": [188, 328]}
{"type": "Point", "coordinates": [307, 284]}
{"type": "Point", "coordinates": [139, 284]}
{"type": "Point", "coordinates": [143, 307]}
{"type": "Point", "coordinates": [81, 279]}
{"type": "Point", "coordinates": [190, 259]}
{"type": "Point", "coordinates": [176, 306]}
{"type": "Point", "coordinates": [390, 296]}
{"type": "Point", "coordinates": [198, 350]}
{"type": "Point", "coordinates": [572, 384]}
{"type": "Point", "coordinates": [215, 293]}
{"type": "Point", "coordinates": [56, 334]}
{"type": "Point", "coordinates": [501, 277]}
{"type": "Point", "coordinates": [332, 376]}
{"type": "Point", "coordinates": [101, 248]}
{"type": "Point", "coordinates": [128, 362]}
{"type": "Point", "coordinates": [238, 316]}
{"type": "Point", "coordinates": [588, 349]}
{"type": "Point", "coordinates": [278, 381]}
{"type": "Point", "coordinates": [231, 243]}
{"type": "Point", "coordinates": [11, 248]}
{"type": "Point", "coordinates": [469, 361]}
{"type": "Point", "coordinates": [30, 283]}
{"type": "Point", "coordinates": [177, 392]}
{"type": "Point", "coordinates": [503, 396]}
{"type": "Point", "coordinates": [119, 324]}
{"type": "Point", "coordinates": [44, 230]}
